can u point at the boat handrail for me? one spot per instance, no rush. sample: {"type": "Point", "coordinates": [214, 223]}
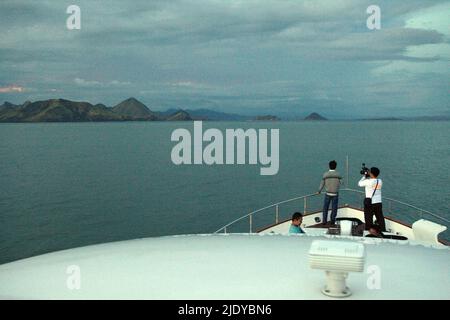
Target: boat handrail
{"type": "Point", "coordinates": [305, 197]}
{"type": "Point", "coordinates": [262, 209]}
{"type": "Point", "coordinates": [406, 204]}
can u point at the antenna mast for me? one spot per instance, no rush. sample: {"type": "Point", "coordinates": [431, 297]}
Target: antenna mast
{"type": "Point", "coordinates": [346, 167]}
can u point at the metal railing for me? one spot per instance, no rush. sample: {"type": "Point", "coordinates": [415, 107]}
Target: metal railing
{"type": "Point", "coordinates": [275, 205]}
{"type": "Point", "coordinates": [420, 211]}
{"type": "Point", "coordinates": [389, 201]}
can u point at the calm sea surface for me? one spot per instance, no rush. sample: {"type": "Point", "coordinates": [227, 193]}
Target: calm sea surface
{"type": "Point", "coordinates": [74, 184]}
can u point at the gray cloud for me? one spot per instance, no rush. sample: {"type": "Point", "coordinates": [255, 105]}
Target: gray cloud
{"type": "Point", "coordinates": [245, 56]}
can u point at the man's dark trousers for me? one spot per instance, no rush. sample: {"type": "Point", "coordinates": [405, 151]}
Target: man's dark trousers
{"type": "Point", "coordinates": [334, 207]}
{"type": "Point", "coordinates": [375, 209]}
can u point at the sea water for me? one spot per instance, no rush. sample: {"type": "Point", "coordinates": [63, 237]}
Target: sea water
{"type": "Point", "coordinates": [65, 185]}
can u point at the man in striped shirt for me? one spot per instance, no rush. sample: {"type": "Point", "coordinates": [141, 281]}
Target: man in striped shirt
{"type": "Point", "coordinates": [331, 181]}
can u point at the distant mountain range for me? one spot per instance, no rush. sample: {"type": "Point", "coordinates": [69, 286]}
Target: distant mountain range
{"type": "Point", "coordinates": [61, 110]}
{"type": "Point", "coordinates": [57, 110]}
{"type": "Point", "coordinates": [267, 118]}
{"type": "Point", "coordinates": [315, 116]}
{"type": "Point", "coordinates": [134, 109]}
{"type": "Point", "coordinates": [206, 114]}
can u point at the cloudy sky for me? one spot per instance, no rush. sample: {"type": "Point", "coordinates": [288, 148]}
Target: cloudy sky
{"type": "Point", "coordinates": [246, 56]}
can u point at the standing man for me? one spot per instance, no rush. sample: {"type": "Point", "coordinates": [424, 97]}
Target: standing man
{"type": "Point", "coordinates": [331, 180]}
{"type": "Point", "coordinates": [372, 202]}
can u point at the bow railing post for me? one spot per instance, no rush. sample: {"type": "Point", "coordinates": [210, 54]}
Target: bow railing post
{"type": "Point", "coordinates": [305, 205]}
{"type": "Point", "coordinates": [361, 194]}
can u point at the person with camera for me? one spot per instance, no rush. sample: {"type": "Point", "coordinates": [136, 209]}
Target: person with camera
{"type": "Point", "coordinates": [372, 202]}
{"type": "Point", "coordinates": [331, 181]}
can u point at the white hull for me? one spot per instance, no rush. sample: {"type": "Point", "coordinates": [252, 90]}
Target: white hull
{"type": "Point", "coordinates": [239, 266]}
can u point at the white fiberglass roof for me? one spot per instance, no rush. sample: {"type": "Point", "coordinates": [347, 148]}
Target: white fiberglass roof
{"type": "Point", "coordinates": [234, 266]}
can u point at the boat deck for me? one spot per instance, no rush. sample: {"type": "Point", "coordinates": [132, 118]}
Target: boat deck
{"type": "Point", "coordinates": [312, 225]}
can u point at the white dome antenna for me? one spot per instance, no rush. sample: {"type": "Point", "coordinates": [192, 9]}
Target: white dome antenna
{"type": "Point", "coordinates": [337, 258]}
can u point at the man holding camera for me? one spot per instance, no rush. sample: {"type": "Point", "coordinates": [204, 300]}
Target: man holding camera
{"type": "Point", "coordinates": [372, 202]}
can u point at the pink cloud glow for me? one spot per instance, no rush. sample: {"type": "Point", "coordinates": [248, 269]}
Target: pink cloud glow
{"type": "Point", "coordinates": [9, 89]}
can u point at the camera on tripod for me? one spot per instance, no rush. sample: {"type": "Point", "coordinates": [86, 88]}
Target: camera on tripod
{"type": "Point", "coordinates": [365, 171]}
